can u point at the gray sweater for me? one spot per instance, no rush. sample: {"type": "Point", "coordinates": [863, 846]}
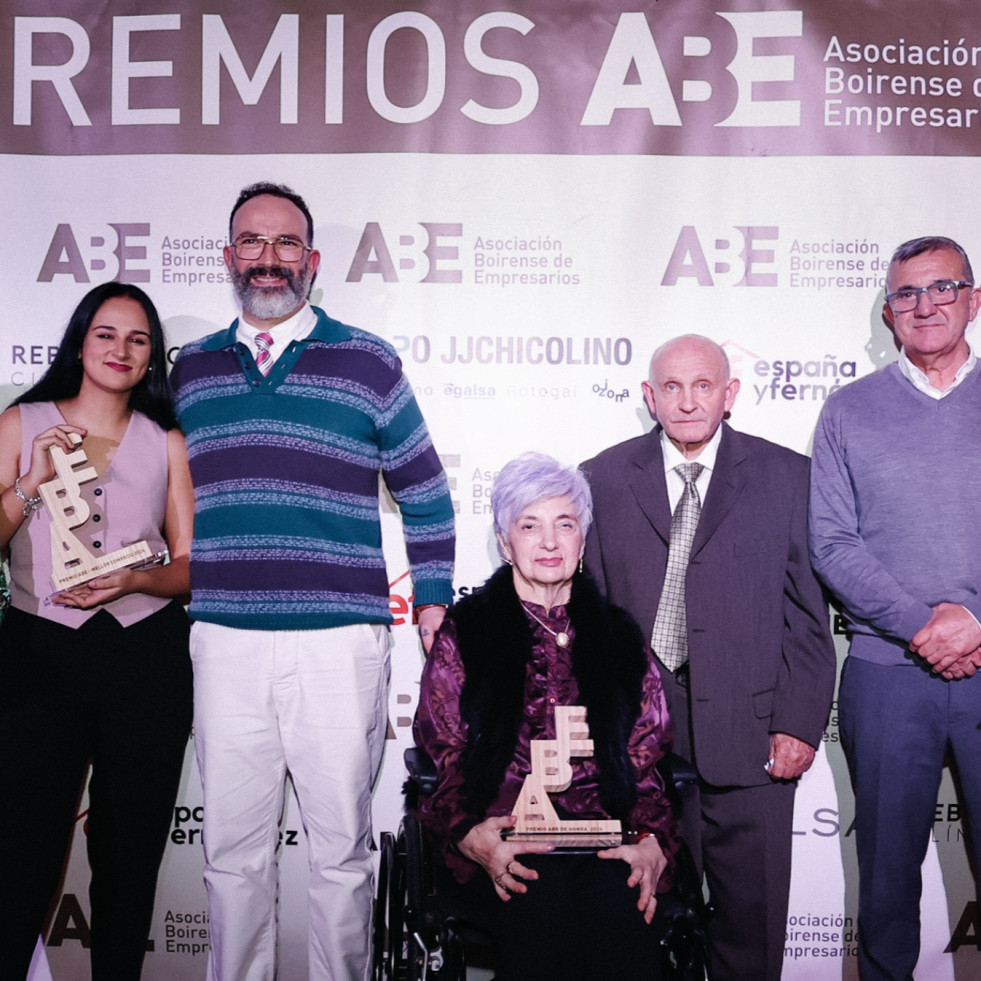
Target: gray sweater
{"type": "Point", "coordinates": [895, 509]}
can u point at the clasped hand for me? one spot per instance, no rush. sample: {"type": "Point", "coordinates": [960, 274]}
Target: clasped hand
{"type": "Point", "coordinates": [484, 845]}
{"type": "Point", "coordinates": [790, 757]}
{"type": "Point", "coordinates": [647, 862]}
{"type": "Point", "coordinates": [41, 468]}
{"type": "Point", "coordinates": [950, 643]}
{"type": "Point", "coordinates": [499, 859]}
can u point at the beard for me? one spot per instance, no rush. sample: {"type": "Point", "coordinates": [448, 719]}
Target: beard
{"type": "Point", "coordinates": [265, 303]}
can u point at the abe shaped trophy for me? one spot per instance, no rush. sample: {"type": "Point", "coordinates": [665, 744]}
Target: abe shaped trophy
{"type": "Point", "coordinates": [72, 564]}
{"type": "Point", "coordinates": [551, 772]}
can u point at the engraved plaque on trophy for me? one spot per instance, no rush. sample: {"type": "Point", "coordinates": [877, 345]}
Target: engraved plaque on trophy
{"type": "Point", "coordinates": [551, 772]}
{"type": "Point", "coordinates": [72, 564]}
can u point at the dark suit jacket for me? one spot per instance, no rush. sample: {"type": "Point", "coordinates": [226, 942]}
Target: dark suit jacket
{"type": "Point", "coordinates": [760, 650]}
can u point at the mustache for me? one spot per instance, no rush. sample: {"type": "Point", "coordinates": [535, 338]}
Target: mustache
{"type": "Point", "coordinates": [278, 271]}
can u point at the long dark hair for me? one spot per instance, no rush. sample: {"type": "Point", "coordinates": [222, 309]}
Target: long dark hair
{"type": "Point", "coordinates": [63, 379]}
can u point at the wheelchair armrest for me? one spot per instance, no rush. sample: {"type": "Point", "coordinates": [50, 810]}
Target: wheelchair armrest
{"type": "Point", "coordinates": [422, 769]}
{"type": "Point", "coordinates": [677, 772]}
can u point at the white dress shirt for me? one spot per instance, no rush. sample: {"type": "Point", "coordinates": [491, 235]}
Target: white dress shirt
{"type": "Point", "coordinates": [673, 456]}
{"type": "Point", "coordinates": [299, 325]}
{"type": "Point", "coordinates": [922, 383]}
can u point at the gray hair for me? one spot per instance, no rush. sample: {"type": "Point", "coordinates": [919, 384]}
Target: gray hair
{"type": "Point", "coordinates": [931, 243]}
{"type": "Point", "coordinates": [532, 477]}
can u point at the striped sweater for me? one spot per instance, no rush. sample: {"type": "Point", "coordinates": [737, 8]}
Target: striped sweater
{"type": "Point", "coordinates": [287, 533]}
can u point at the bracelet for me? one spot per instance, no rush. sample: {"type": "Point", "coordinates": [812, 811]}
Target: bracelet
{"type": "Point", "coordinates": [416, 610]}
{"type": "Point", "coordinates": [641, 835]}
{"type": "Point", "coordinates": [31, 504]}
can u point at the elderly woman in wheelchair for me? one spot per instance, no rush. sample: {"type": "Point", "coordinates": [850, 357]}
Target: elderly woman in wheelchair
{"type": "Point", "coordinates": [537, 636]}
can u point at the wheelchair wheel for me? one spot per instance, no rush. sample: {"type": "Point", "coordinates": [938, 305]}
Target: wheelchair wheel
{"type": "Point", "coordinates": [381, 946]}
{"type": "Point", "coordinates": [390, 940]}
{"type": "Point", "coordinates": [422, 952]}
{"type": "Point", "coordinates": [412, 940]}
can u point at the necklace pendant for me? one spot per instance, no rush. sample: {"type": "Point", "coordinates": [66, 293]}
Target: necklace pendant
{"type": "Point", "coordinates": [562, 639]}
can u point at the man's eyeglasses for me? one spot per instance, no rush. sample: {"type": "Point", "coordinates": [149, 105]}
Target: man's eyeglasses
{"type": "Point", "coordinates": [939, 293]}
{"type": "Point", "coordinates": [287, 249]}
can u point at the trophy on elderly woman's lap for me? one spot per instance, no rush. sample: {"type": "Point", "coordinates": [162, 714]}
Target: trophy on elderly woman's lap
{"type": "Point", "coordinates": [72, 564]}
{"type": "Point", "coordinates": [551, 772]}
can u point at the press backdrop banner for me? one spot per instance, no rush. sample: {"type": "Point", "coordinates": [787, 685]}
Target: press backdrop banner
{"type": "Point", "coordinates": [525, 198]}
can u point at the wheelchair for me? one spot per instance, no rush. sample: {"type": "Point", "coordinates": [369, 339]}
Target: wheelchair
{"type": "Point", "coordinates": [414, 940]}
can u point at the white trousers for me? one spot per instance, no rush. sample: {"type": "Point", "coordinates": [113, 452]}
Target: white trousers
{"type": "Point", "coordinates": [313, 703]}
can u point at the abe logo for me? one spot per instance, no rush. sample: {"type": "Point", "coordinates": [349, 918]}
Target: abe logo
{"type": "Point", "coordinates": [113, 251]}
{"type": "Point", "coordinates": [732, 70]}
{"type": "Point", "coordinates": [743, 259]}
{"type": "Point", "coordinates": [428, 252]}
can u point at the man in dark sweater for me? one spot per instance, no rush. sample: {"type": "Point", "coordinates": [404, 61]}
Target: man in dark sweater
{"type": "Point", "coordinates": [894, 523]}
{"type": "Point", "coordinates": [290, 418]}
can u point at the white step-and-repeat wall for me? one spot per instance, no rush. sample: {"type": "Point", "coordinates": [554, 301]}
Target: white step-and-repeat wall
{"type": "Point", "coordinates": [525, 197]}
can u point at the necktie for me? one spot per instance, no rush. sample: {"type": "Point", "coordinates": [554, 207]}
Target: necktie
{"type": "Point", "coordinates": [670, 635]}
{"type": "Point", "coordinates": [263, 359]}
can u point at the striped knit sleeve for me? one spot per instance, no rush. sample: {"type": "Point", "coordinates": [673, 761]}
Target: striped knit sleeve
{"type": "Point", "coordinates": [417, 481]}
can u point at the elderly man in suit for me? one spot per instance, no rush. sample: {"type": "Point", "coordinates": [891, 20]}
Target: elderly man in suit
{"type": "Point", "coordinates": [701, 533]}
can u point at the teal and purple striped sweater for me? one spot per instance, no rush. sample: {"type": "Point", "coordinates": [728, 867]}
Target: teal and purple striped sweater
{"type": "Point", "coordinates": [287, 533]}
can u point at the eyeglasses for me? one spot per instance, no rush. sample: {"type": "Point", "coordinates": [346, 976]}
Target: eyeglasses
{"type": "Point", "coordinates": [940, 293]}
{"type": "Point", "coordinates": [287, 249]}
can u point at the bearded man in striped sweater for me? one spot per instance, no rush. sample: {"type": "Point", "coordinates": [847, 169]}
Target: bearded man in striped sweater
{"type": "Point", "coordinates": [290, 419]}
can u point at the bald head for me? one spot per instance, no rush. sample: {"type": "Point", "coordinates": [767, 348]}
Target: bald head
{"type": "Point", "coordinates": [690, 391]}
{"type": "Point", "coordinates": [688, 345]}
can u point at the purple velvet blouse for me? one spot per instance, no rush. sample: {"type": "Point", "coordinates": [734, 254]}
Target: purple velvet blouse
{"type": "Point", "coordinates": [439, 729]}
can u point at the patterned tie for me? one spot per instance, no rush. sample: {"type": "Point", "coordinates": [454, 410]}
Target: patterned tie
{"type": "Point", "coordinates": [670, 635]}
{"type": "Point", "coordinates": [263, 359]}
